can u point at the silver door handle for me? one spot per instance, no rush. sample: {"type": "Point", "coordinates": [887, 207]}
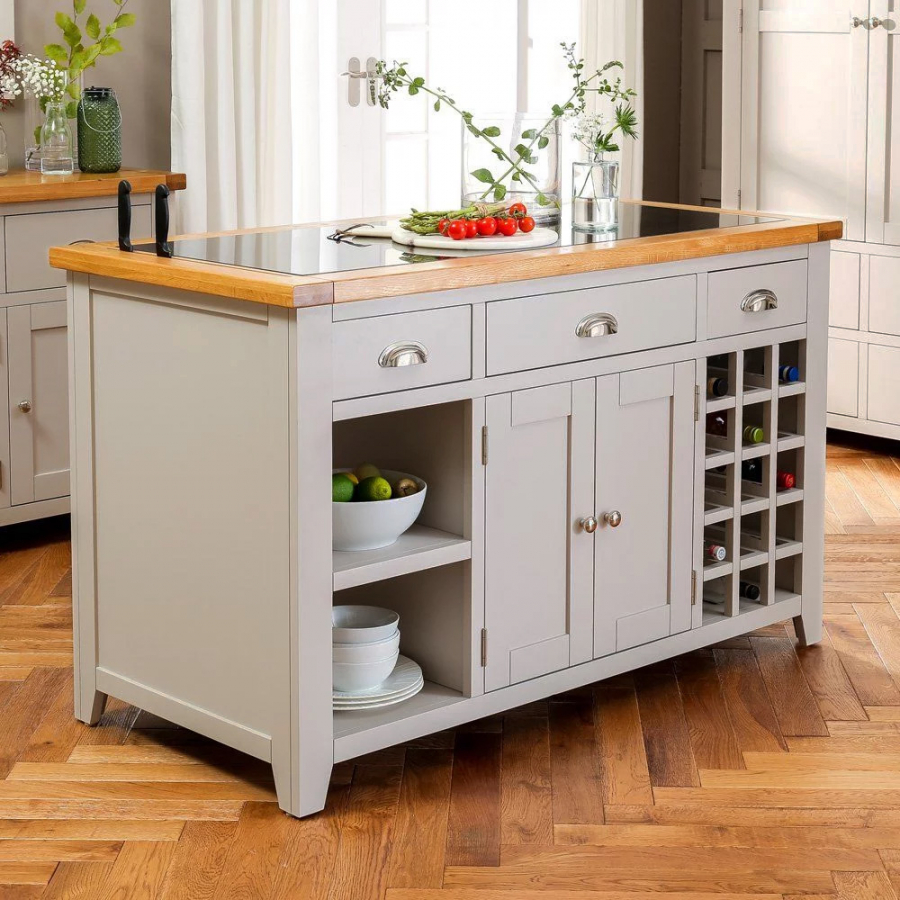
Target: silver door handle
{"type": "Point", "coordinates": [597, 325]}
{"type": "Point", "coordinates": [613, 519]}
{"type": "Point", "coordinates": [856, 21]}
{"type": "Point", "coordinates": [403, 353]}
{"type": "Point", "coordinates": [356, 74]}
{"type": "Point", "coordinates": [589, 524]}
{"type": "Point", "coordinates": [874, 22]}
{"type": "Point", "coordinates": [759, 301]}
{"type": "Point", "coordinates": [25, 406]}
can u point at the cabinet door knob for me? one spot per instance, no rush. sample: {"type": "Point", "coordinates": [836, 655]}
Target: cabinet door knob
{"type": "Point", "coordinates": [597, 325]}
{"type": "Point", "coordinates": [403, 353]}
{"type": "Point", "coordinates": [613, 519]}
{"type": "Point", "coordinates": [759, 301]}
{"type": "Point", "coordinates": [25, 405]}
{"type": "Point", "coordinates": [589, 524]}
{"type": "Point", "coordinates": [874, 22]}
{"type": "Point", "coordinates": [856, 21]}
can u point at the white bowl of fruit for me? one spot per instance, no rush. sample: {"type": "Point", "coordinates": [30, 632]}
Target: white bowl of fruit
{"type": "Point", "coordinates": [371, 507]}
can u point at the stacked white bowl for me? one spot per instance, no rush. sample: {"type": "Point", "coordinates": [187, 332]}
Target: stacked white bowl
{"type": "Point", "coordinates": [366, 646]}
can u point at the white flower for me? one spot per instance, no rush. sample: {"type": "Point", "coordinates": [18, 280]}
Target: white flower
{"type": "Point", "coordinates": [40, 78]}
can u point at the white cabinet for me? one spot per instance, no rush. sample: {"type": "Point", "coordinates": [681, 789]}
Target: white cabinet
{"type": "Point", "coordinates": [589, 506]}
{"type": "Point", "coordinates": [644, 473]}
{"type": "Point", "coordinates": [821, 134]}
{"type": "Point", "coordinates": [38, 402]}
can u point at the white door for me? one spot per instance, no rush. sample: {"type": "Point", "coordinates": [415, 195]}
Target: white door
{"type": "Point", "coordinates": [804, 109]}
{"type": "Point", "coordinates": [644, 502]}
{"type": "Point", "coordinates": [489, 57]}
{"type": "Point", "coordinates": [38, 402]}
{"type": "Point", "coordinates": [883, 207]}
{"type": "Point", "coordinates": [538, 565]}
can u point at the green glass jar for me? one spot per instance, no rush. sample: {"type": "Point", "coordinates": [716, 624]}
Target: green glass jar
{"type": "Point", "coordinates": [99, 131]}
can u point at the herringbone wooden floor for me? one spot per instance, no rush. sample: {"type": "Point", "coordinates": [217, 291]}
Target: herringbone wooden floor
{"type": "Point", "coordinates": [751, 770]}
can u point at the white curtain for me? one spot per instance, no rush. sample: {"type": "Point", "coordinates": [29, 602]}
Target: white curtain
{"type": "Point", "coordinates": [614, 29]}
{"type": "Point", "coordinates": [241, 90]}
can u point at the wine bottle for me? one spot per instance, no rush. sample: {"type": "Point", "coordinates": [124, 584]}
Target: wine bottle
{"type": "Point", "coordinates": [784, 481]}
{"type": "Point", "coordinates": [716, 423]}
{"type": "Point", "coordinates": [717, 387]}
{"type": "Point", "coordinates": [788, 374]}
{"type": "Point", "coordinates": [748, 590]}
{"type": "Point", "coordinates": [714, 551]}
{"type": "Point", "coordinates": [753, 434]}
{"type": "Point", "coordinates": [752, 470]}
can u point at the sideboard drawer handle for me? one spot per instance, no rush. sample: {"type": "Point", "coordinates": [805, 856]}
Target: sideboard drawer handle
{"type": "Point", "coordinates": [403, 353]}
{"type": "Point", "coordinates": [759, 301]}
{"type": "Point", "coordinates": [597, 325]}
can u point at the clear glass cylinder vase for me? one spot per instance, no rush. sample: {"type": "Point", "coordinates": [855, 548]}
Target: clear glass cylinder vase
{"type": "Point", "coordinates": [4, 152]}
{"type": "Point", "coordinates": [520, 164]}
{"type": "Point", "coordinates": [595, 195]}
{"type": "Point", "coordinates": [57, 144]}
{"type": "Point", "coordinates": [33, 123]}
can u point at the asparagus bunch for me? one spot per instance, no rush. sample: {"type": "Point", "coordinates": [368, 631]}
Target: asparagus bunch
{"type": "Point", "coordinates": [426, 222]}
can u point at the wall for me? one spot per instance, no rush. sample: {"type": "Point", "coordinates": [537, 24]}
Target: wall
{"type": "Point", "coordinates": [661, 128]}
{"type": "Point", "coordinates": [140, 75]}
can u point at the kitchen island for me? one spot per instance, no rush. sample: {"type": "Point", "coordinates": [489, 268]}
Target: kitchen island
{"type": "Point", "coordinates": [555, 401]}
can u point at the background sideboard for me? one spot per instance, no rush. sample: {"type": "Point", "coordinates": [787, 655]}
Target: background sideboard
{"type": "Point", "coordinates": [36, 214]}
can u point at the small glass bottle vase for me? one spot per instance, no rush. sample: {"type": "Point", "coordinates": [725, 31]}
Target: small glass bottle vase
{"type": "Point", "coordinates": [4, 153]}
{"type": "Point", "coordinates": [595, 195]}
{"type": "Point", "coordinates": [57, 145]}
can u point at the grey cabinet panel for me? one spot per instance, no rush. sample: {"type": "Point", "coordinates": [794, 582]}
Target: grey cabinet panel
{"type": "Point", "coordinates": [4, 418]}
{"type": "Point", "coordinates": [645, 460]}
{"type": "Point", "coordinates": [884, 384]}
{"type": "Point", "coordinates": [843, 377]}
{"type": "Point", "coordinates": [538, 484]}
{"type": "Point", "coordinates": [727, 291]}
{"type": "Point", "coordinates": [38, 402]}
{"type": "Point", "coordinates": [533, 332]}
{"type": "Point", "coordinates": [30, 237]}
{"type": "Point", "coordinates": [884, 279]}
{"type": "Point", "coordinates": [845, 285]}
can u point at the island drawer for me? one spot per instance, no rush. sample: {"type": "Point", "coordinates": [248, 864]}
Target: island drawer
{"type": "Point", "coordinates": [30, 237]}
{"type": "Point", "coordinates": [549, 330]}
{"type": "Point", "coordinates": [753, 299]}
{"type": "Point", "coordinates": [399, 352]}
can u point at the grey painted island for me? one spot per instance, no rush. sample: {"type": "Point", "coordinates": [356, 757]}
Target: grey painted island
{"type": "Point", "coordinates": [623, 443]}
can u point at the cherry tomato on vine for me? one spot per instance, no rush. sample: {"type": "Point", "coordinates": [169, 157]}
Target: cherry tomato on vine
{"type": "Point", "coordinates": [442, 226]}
{"type": "Point", "coordinates": [456, 230]}
{"type": "Point", "coordinates": [487, 227]}
{"type": "Point", "coordinates": [507, 227]}
{"type": "Point", "coordinates": [471, 228]}
{"type": "Point", "coordinates": [518, 210]}
{"type": "Point", "coordinates": [526, 224]}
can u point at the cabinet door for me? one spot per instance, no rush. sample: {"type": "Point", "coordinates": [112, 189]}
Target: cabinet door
{"type": "Point", "coordinates": [645, 473]}
{"type": "Point", "coordinates": [38, 402]}
{"type": "Point", "coordinates": [803, 141]}
{"type": "Point", "coordinates": [538, 486]}
{"type": "Point", "coordinates": [883, 169]}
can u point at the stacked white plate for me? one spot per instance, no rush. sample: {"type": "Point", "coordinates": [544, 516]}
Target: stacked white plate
{"type": "Point", "coordinates": [367, 669]}
{"type": "Point", "coordinates": [404, 682]}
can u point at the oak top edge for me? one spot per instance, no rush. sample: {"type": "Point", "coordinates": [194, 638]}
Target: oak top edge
{"type": "Point", "coordinates": [20, 186]}
{"type": "Point", "coordinates": [295, 291]}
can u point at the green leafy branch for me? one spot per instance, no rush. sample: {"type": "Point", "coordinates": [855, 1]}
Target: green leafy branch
{"type": "Point", "coordinates": [395, 78]}
{"type": "Point", "coordinates": [85, 40]}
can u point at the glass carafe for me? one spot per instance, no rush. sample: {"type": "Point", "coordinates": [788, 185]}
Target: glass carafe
{"type": "Point", "coordinates": [4, 152]}
{"type": "Point", "coordinates": [57, 146]}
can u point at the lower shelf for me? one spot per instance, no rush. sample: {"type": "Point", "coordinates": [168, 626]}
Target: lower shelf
{"type": "Point", "coordinates": [713, 612]}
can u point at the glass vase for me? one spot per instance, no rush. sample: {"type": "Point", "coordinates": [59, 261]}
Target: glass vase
{"type": "Point", "coordinates": [595, 195]}
{"type": "Point", "coordinates": [99, 131]}
{"type": "Point", "coordinates": [57, 145]}
{"type": "Point", "coordinates": [531, 143]}
{"type": "Point", "coordinates": [4, 152]}
{"type": "Point", "coordinates": [33, 123]}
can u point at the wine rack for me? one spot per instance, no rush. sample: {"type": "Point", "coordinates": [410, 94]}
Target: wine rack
{"type": "Point", "coordinates": [753, 479]}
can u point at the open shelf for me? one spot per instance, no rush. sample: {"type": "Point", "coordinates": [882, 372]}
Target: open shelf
{"type": "Point", "coordinates": [788, 441]}
{"type": "Point", "coordinates": [751, 558]}
{"type": "Point", "coordinates": [756, 395]}
{"type": "Point", "coordinates": [785, 548]}
{"type": "Point", "coordinates": [716, 457]}
{"type": "Point", "coordinates": [752, 504]}
{"type": "Point", "coordinates": [418, 549]}
{"type": "Point", "coordinates": [715, 512]}
{"type": "Point", "coordinates": [719, 404]}
{"type": "Point", "coordinates": [792, 390]}
{"type": "Point", "coordinates": [717, 570]}
{"type": "Point", "coordinates": [713, 612]}
{"type": "Point", "coordinates": [754, 451]}
{"type": "Point", "coordinates": [792, 495]}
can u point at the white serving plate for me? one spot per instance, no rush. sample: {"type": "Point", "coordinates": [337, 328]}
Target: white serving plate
{"type": "Point", "coordinates": [540, 237]}
{"type": "Point", "coordinates": [405, 678]}
{"type": "Point", "coordinates": [378, 704]}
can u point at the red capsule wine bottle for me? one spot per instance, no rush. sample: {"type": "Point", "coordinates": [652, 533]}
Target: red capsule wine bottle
{"type": "Point", "coordinates": [716, 423]}
{"type": "Point", "coordinates": [784, 481]}
{"type": "Point", "coordinates": [715, 552]}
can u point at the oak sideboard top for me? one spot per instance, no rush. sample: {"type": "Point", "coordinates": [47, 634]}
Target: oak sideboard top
{"type": "Point", "coordinates": [20, 186]}
{"type": "Point", "coordinates": [414, 277]}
